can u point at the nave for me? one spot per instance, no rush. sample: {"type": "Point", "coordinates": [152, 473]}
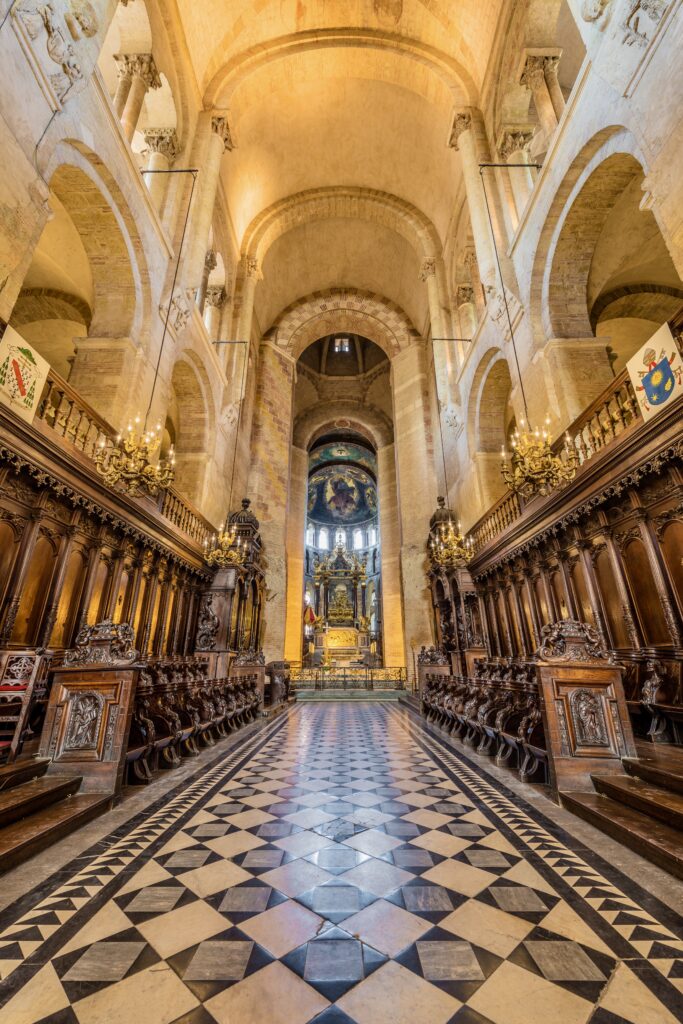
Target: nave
{"type": "Point", "coordinates": [341, 864]}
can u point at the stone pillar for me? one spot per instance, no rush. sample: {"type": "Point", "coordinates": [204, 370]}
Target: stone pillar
{"type": "Point", "coordinates": [296, 526]}
{"type": "Point", "coordinates": [215, 297]}
{"type": "Point", "coordinates": [533, 76]}
{"type": "Point", "coordinates": [468, 136]}
{"type": "Point", "coordinates": [514, 149]}
{"type": "Point", "coordinates": [218, 139]}
{"type": "Point", "coordinates": [162, 144]}
{"type": "Point", "coordinates": [269, 483]}
{"type": "Point", "coordinates": [417, 492]}
{"type": "Point", "coordinates": [434, 275]}
{"type": "Point", "coordinates": [390, 537]}
{"type": "Point", "coordinates": [144, 76]}
{"type": "Point", "coordinates": [125, 77]}
{"type": "Point", "coordinates": [467, 315]}
{"type": "Point", "coordinates": [472, 267]}
{"type": "Point", "coordinates": [552, 81]}
{"type": "Point", "coordinates": [251, 276]}
{"type": "Point", "coordinates": [210, 263]}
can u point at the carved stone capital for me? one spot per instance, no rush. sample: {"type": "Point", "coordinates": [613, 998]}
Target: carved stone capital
{"type": "Point", "coordinates": [515, 140]}
{"type": "Point", "coordinates": [221, 128]}
{"type": "Point", "coordinates": [428, 268]}
{"type": "Point", "coordinates": [533, 73]}
{"type": "Point", "coordinates": [215, 296]}
{"type": "Point", "coordinates": [462, 122]}
{"type": "Point", "coordinates": [210, 261]}
{"type": "Point", "coordinates": [251, 267]}
{"type": "Point", "coordinates": [464, 293]}
{"type": "Point", "coordinates": [164, 141]}
{"type": "Point", "coordinates": [470, 258]}
{"type": "Point", "coordinates": [139, 65]}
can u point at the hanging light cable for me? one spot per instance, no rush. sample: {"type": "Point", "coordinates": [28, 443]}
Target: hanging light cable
{"type": "Point", "coordinates": [127, 462]}
{"type": "Point", "coordinates": [534, 467]}
{"type": "Point", "coordinates": [226, 548]}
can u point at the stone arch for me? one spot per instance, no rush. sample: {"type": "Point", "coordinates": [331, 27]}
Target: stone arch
{"type": "Point", "coordinates": [343, 309]}
{"type": "Point", "coordinates": [489, 395]}
{"type": "Point", "coordinates": [610, 141]}
{"type": "Point", "coordinates": [225, 79]}
{"type": "Point", "coordinates": [190, 411]}
{"type": "Point", "coordinates": [369, 423]}
{"type": "Point", "coordinates": [98, 209]}
{"type": "Point", "coordinates": [341, 202]}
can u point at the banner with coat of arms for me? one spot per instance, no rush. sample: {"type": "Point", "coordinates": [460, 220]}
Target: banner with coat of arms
{"type": "Point", "coordinates": [23, 373]}
{"type": "Point", "coordinates": [656, 372]}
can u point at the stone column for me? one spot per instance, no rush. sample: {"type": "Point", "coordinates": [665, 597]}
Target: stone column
{"type": "Point", "coordinates": [533, 76]}
{"type": "Point", "coordinates": [514, 149]}
{"type": "Point", "coordinates": [472, 267]}
{"type": "Point", "coordinates": [210, 263]}
{"type": "Point", "coordinates": [251, 276]}
{"type": "Point", "coordinates": [269, 478]}
{"type": "Point", "coordinates": [214, 126]}
{"type": "Point", "coordinates": [144, 76]}
{"type": "Point", "coordinates": [296, 526]}
{"type": "Point", "coordinates": [550, 64]}
{"type": "Point", "coordinates": [416, 490]}
{"type": "Point", "coordinates": [394, 650]}
{"type": "Point", "coordinates": [163, 147]}
{"type": "Point", "coordinates": [434, 275]}
{"type": "Point", "coordinates": [468, 136]}
{"type": "Point", "coordinates": [125, 77]}
{"type": "Point", "coordinates": [215, 297]}
{"type": "Point", "coordinates": [467, 316]}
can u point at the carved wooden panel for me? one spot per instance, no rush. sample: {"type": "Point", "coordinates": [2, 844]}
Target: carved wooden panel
{"type": "Point", "coordinates": [87, 724]}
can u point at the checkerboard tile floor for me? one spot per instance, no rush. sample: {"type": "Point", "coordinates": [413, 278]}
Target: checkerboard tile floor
{"type": "Point", "coordinates": [342, 866]}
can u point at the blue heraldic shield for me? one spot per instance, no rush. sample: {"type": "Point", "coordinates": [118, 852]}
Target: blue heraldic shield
{"type": "Point", "coordinates": [659, 383]}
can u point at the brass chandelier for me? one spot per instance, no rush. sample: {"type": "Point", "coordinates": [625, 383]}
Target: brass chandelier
{"type": "Point", "coordinates": [225, 548]}
{"type": "Point", "coordinates": [128, 462]}
{"type": "Point", "coordinates": [534, 468]}
{"type": "Point", "coordinates": [448, 549]}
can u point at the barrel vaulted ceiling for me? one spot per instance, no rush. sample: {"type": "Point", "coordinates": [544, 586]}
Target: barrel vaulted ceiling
{"type": "Point", "coordinates": [340, 95]}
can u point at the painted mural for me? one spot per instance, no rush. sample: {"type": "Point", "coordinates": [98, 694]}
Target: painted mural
{"type": "Point", "coordinates": [343, 451]}
{"type": "Point", "coordinates": [341, 495]}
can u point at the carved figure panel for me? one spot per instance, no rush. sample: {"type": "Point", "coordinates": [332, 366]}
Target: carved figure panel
{"type": "Point", "coordinates": [588, 719]}
{"type": "Point", "coordinates": [84, 719]}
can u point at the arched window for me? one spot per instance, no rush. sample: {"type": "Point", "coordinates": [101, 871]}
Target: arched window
{"type": "Point", "coordinates": [340, 537]}
{"type": "Point", "coordinates": [357, 539]}
{"type": "Point", "coordinates": [323, 538]}
{"type": "Point", "coordinates": [372, 536]}
{"type": "Point", "coordinates": [310, 536]}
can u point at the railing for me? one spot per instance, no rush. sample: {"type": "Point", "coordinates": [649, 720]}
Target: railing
{"type": "Point", "coordinates": [63, 410]}
{"type": "Point", "coordinates": [333, 678]}
{"type": "Point", "coordinates": [596, 428]}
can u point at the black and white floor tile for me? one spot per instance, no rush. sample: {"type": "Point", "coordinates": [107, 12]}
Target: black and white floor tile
{"type": "Point", "coordinates": [342, 866]}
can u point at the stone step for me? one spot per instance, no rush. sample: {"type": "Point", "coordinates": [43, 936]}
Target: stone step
{"type": "Point", "coordinates": [17, 774]}
{"type": "Point", "coordinates": [643, 796]}
{"type": "Point", "coordinates": [22, 801]}
{"type": "Point", "coordinates": [658, 770]}
{"type": "Point", "coordinates": [29, 836]}
{"type": "Point", "coordinates": [652, 839]}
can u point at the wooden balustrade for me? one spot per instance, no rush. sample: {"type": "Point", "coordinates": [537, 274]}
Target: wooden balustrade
{"type": "Point", "coordinates": [63, 410]}
{"type": "Point", "coordinates": [598, 426]}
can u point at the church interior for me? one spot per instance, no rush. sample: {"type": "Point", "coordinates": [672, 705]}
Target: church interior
{"type": "Point", "coordinates": [341, 512]}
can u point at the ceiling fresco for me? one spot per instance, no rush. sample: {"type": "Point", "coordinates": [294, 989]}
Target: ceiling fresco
{"type": "Point", "coordinates": [342, 451]}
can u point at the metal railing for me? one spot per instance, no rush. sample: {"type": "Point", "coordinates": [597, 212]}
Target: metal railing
{"type": "Point", "coordinates": [333, 678]}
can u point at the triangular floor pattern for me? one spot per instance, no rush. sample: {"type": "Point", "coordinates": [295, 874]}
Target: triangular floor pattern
{"type": "Point", "coordinates": [341, 865]}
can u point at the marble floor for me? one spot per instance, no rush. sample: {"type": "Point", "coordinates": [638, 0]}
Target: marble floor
{"type": "Point", "coordinates": [342, 864]}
